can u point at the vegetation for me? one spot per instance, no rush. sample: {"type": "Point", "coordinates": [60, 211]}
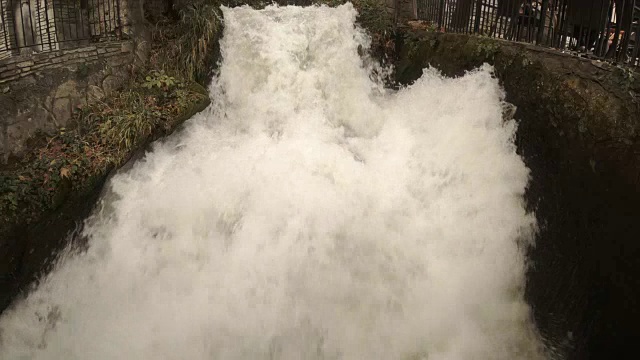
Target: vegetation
{"type": "Point", "coordinates": [102, 136]}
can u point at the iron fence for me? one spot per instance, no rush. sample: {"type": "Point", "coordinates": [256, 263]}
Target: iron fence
{"type": "Point", "coordinates": [604, 29]}
{"type": "Point", "coordinates": [45, 25]}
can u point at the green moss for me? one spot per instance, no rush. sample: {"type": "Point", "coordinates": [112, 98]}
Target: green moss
{"type": "Point", "coordinates": [486, 49]}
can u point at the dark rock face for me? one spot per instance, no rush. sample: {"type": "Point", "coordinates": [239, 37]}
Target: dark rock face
{"type": "Point", "coordinates": [579, 133]}
{"type": "Point", "coordinates": [29, 251]}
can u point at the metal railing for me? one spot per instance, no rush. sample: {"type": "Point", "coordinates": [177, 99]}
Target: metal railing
{"type": "Point", "coordinates": [603, 29]}
{"type": "Point", "coordinates": [28, 26]}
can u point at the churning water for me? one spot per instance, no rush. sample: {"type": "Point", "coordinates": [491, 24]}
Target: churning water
{"type": "Point", "coordinates": [307, 214]}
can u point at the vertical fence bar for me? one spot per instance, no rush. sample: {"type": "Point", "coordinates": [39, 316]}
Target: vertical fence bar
{"type": "Point", "coordinates": [603, 34]}
{"type": "Point", "coordinates": [56, 17]}
{"type": "Point", "coordinates": [456, 17]}
{"type": "Point", "coordinates": [81, 19]}
{"type": "Point", "coordinates": [589, 29]}
{"type": "Point", "coordinates": [94, 22]}
{"type": "Point", "coordinates": [119, 19]}
{"type": "Point", "coordinates": [98, 19]}
{"type": "Point", "coordinates": [503, 11]}
{"type": "Point", "coordinates": [31, 27]}
{"type": "Point", "coordinates": [616, 36]}
{"type": "Point", "coordinates": [5, 27]}
{"type": "Point", "coordinates": [107, 16]}
{"type": "Point", "coordinates": [551, 5]}
{"type": "Point", "coordinates": [435, 11]}
{"type": "Point", "coordinates": [543, 22]}
{"type": "Point", "coordinates": [484, 16]}
{"type": "Point", "coordinates": [493, 24]}
{"type": "Point", "coordinates": [562, 38]}
{"type": "Point", "coordinates": [478, 15]}
{"type": "Point", "coordinates": [425, 14]}
{"type": "Point", "coordinates": [532, 20]}
{"type": "Point", "coordinates": [74, 17]}
{"type": "Point", "coordinates": [111, 25]}
{"type": "Point", "coordinates": [441, 15]}
{"type": "Point", "coordinates": [104, 19]}
{"type": "Point", "coordinates": [610, 14]}
{"type": "Point", "coordinates": [552, 23]}
{"type": "Point", "coordinates": [39, 22]}
{"type": "Point", "coordinates": [636, 47]}
{"type": "Point", "coordinates": [509, 20]}
{"type": "Point", "coordinates": [48, 21]}
{"type": "Point", "coordinates": [69, 21]}
{"type": "Point", "coordinates": [22, 26]}
{"type": "Point", "coordinates": [487, 22]}
{"type": "Point", "coordinates": [467, 16]}
{"type": "Point", "coordinates": [461, 25]}
{"type": "Point", "coordinates": [446, 15]}
{"type": "Point", "coordinates": [626, 38]}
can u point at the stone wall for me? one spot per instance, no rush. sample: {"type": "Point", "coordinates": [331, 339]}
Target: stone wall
{"type": "Point", "coordinates": [579, 133]}
{"type": "Point", "coordinates": [40, 91]}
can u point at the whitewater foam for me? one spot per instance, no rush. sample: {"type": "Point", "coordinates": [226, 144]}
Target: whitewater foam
{"type": "Point", "coordinates": [307, 214]}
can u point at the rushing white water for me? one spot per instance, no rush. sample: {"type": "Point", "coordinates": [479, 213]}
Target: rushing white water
{"type": "Point", "coordinates": [308, 214]}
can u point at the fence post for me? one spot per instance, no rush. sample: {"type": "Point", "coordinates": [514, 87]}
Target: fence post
{"type": "Point", "coordinates": [441, 15]}
{"type": "Point", "coordinates": [543, 19]}
{"type": "Point", "coordinates": [476, 25]}
{"type": "Point", "coordinates": [619, 22]}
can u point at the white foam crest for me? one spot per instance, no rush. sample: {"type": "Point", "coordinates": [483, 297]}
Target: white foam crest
{"type": "Point", "coordinates": [308, 214]}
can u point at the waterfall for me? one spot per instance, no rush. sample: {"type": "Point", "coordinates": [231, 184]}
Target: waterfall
{"type": "Point", "coordinates": [308, 213]}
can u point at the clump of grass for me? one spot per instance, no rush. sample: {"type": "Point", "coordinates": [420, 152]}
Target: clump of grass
{"type": "Point", "coordinates": [186, 46]}
{"type": "Point", "coordinates": [185, 43]}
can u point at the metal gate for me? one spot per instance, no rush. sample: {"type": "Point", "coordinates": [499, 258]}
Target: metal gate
{"type": "Point", "coordinates": [45, 25]}
{"type": "Point", "coordinates": [606, 29]}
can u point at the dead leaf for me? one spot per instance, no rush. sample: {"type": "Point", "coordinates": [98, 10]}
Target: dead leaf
{"type": "Point", "coordinates": [65, 173]}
